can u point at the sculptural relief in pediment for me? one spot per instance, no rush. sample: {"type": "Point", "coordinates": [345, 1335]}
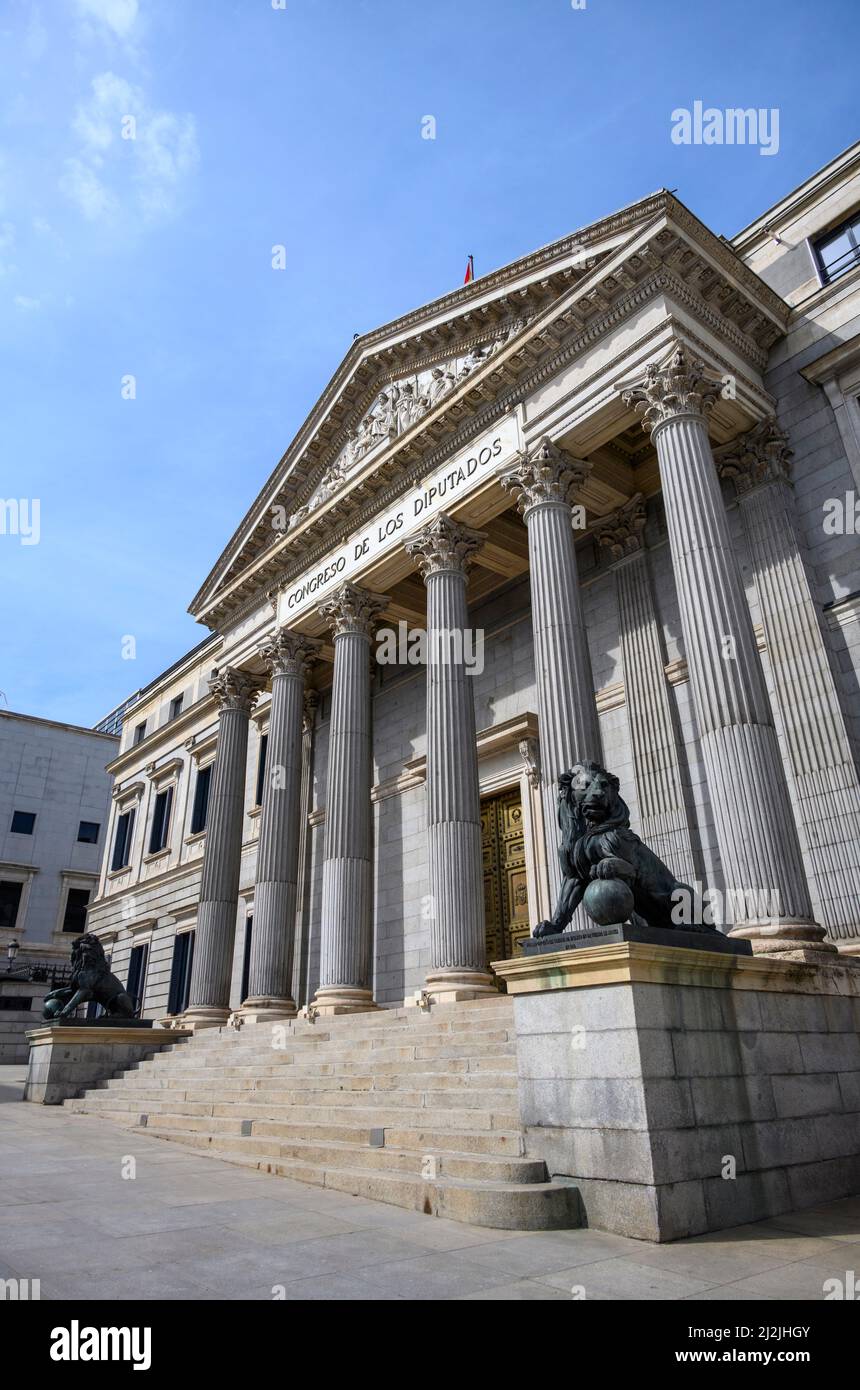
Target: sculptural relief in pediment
{"type": "Point", "coordinates": [396, 409]}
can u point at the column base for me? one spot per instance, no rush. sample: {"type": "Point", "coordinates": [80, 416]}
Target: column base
{"type": "Point", "coordinates": [849, 948]}
{"type": "Point", "coordinates": [791, 940]}
{"type": "Point", "coordinates": [343, 999]}
{"type": "Point", "coordinates": [262, 1008]}
{"type": "Point", "coordinates": [452, 986]}
{"type": "Point", "coordinates": [204, 1016]}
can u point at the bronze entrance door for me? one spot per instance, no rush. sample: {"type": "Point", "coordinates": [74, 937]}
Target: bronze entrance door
{"type": "Point", "coordinates": [505, 892]}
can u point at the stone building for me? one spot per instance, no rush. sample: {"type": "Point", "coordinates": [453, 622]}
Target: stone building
{"type": "Point", "coordinates": [615, 486]}
{"type": "Point", "coordinates": [54, 802]}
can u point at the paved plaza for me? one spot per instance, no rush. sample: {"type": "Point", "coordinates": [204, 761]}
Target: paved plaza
{"type": "Point", "coordinates": [191, 1227]}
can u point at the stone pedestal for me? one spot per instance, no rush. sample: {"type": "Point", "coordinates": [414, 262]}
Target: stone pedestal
{"type": "Point", "coordinates": [68, 1059]}
{"type": "Point", "coordinates": [688, 1091]}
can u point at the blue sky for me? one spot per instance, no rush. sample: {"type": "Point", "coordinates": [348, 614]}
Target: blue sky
{"type": "Point", "coordinates": [301, 126]}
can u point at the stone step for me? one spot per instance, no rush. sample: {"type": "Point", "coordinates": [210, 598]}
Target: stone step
{"type": "Point", "coordinates": [451, 1051]}
{"type": "Point", "coordinates": [501, 1064]}
{"type": "Point", "coordinates": [285, 1097]}
{"type": "Point", "coordinates": [310, 1046]}
{"type": "Point", "coordinates": [398, 1106]}
{"type": "Point", "coordinates": [262, 1089]}
{"type": "Point", "coordinates": [459, 1018]}
{"type": "Point", "coordinates": [493, 1202]}
{"type": "Point", "coordinates": [424, 1138]}
{"type": "Point", "coordinates": [192, 1115]}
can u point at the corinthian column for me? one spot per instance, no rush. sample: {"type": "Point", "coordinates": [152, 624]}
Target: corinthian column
{"type": "Point", "coordinates": [545, 482]}
{"type": "Point", "coordinates": [768, 899]}
{"type": "Point", "coordinates": [817, 751]}
{"type": "Point", "coordinates": [653, 737]}
{"type": "Point", "coordinates": [346, 933]}
{"type": "Point", "coordinates": [287, 657]}
{"type": "Point", "coordinates": [209, 996]}
{"type": "Point", "coordinates": [458, 957]}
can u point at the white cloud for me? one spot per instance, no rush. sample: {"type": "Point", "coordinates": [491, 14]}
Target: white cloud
{"type": "Point", "coordinates": [83, 186]}
{"type": "Point", "coordinates": [23, 301]}
{"type": "Point", "coordinates": [7, 246]}
{"type": "Point", "coordinates": [118, 15]}
{"type": "Point", "coordinates": [97, 122]}
{"type": "Point", "coordinates": [144, 172]}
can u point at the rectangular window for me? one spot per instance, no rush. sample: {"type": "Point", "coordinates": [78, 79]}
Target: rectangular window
{"type": "Point", "coordinates": [10, 901]}
{"type": "Point", "coordinates": [122, 841]}
{"type": "Point", "coordinates": [160, 821]}
{"type": "Point", "coordinates": [136, 986]}
{"type": "Point", "coordinates": [23, 822]}
{"type": "Point", "coordinates": [180, 973]}
{"type": "Point", "coordinates": [176, 706]}
{"type": "Point", "coordinates": [838, 251]}
{"type": "Point", "coordinates": [88, 832]}
{"type": "Point", "coordinates": [75, 915]}
{"type": "Point", "coordinates": [261, 768]}
{"type": "Point", "coordinates": [140, 732]}
{"type": "Point", "coordinates": [200, 809]}
{"type": "Point", "coordinates": [246, 958]}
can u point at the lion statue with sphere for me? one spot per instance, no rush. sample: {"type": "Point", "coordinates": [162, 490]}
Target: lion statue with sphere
{"type": "Point", "coordinates": [604, 864]}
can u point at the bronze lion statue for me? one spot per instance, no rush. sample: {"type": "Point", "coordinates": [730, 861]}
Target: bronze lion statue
{"type": "Point", "coordinates": [92, 981]}
{"type": "Point", "coordinates": [603, 862]}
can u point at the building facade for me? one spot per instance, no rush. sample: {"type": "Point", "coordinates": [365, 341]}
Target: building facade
{"type": "Point", "coordinates": [55, 797]}
{"type": "Point", "coordinates": [599, 504]}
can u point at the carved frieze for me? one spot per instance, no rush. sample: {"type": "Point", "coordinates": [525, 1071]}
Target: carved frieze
{"type": "Point", "coordinates": [396, 410]}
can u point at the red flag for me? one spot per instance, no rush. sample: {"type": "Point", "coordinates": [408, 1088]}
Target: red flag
{"type": "Point", "coordinates": [470, 271]}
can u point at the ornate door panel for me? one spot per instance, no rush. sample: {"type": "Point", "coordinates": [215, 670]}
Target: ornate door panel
{"type": "Point", "coordinates": [505, 890]}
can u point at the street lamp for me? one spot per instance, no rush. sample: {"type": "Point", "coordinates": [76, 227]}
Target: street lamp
{"type": "Point", "coordinates": [11, 952]}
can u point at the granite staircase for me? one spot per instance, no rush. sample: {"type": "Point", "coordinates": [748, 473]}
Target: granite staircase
{"type": "Point", "coordinates": [404, 1106]}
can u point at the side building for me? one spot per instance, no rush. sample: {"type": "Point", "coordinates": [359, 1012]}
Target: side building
{"type": "Point", "coordinates": [55, 796]}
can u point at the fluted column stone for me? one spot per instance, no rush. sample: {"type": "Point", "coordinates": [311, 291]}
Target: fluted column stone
{"type": "Point", "coordinates": [767, 895]}
{"type": "Point", "coordinates": [209, 996]}
{"type": "Point", "coordinates": [818, 754]}
{"type": "Point", "coordinates": [301, 987]}
{"type": "Point", "coordinates": [287, 658]}
{"type": "Point", "coordinates": [546, 481]}
{"type": "Point", "coordinates": [650, 718]}
{"type": "Point", "coordinates": [443, 551]}
{"type": "Point", "coordinates": [346, 932]}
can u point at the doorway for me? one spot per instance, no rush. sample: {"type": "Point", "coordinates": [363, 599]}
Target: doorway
{"type": "Point", "coordinates": [506, 899]}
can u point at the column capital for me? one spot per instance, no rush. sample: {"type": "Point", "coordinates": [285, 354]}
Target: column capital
{"type": "Point", "coordinates": [622, 532]}
{"type": "Point", "coordinates": [444, 545]}
{"type": "Point", "coordinates": [352, 610]}
{"type": "Point", "coordinates": [545, 474]}
{"type": "Point", "coordinates": [760, 456]}
{"type": "Point", "coordinates": [235, 689]}
{"type": "Point", "coordinates": [676, 386]}
{"type": "Point", "coordinates": [289, 653]}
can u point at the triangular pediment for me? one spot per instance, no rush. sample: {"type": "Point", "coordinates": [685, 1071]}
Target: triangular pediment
{"type": "Point", "coordinates": [409, 387]}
